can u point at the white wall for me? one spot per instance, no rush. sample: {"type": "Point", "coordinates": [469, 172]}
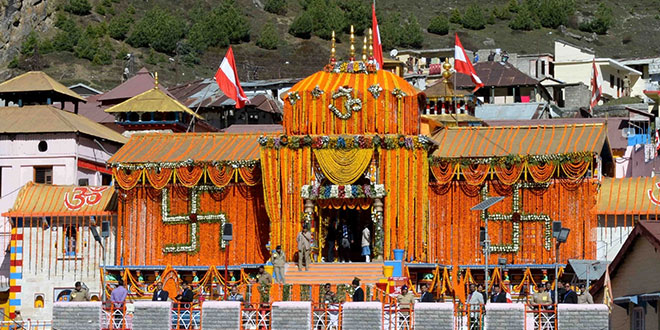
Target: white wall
{"type": "Point", "coordinates": [609, 241]}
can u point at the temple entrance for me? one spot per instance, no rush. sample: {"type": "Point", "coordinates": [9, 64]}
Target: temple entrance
{"type": "Point", "coordinates": [332, 233]}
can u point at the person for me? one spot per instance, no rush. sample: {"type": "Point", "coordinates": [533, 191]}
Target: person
{"type": "Point", "coordinates": [541, 297]}
{"type": "Point", "coordinates": [79, 293]}
{"type": "Point", "coordinates": [186, 296]}
{"type": "Point", "coordinates": [358, 294]}
{"type": "Point", "coordinates": [626, 86]}
{"type": "Point", "coordinates": [366, 240]}
{"type": "Point", "coordinates": [329, 297]}
{"type": "Point", "coordinates": [118, 295]}
{"type": "Point", "coordinates": [279, 260]}
{"type": "Point", "coordinates": [304, 241]}
{"type": "Point", "coordinates": [159, 293]}
{"type": "Point", "coordinates": [330, 239]}
{"type": "Point", "coordinates": [17, 321]}
{"type": "Point", "coordinates": [405, 299]}
{"type": "Point", "coordinates": [491, 56]}
{"type": "Point", "coordinates": [476, 58]}
{"type": "Point", "coordinates": [569, 297]}
{"type": "Point", "coordinates": [426, 295]}
{"type": "Point", "coordinates": [475, 298]}
{"type": "Point", "coordinates": [346, 242]}
{"type": "Point", "coordinates": [498, 295]}
{"type": "Point", "coordinates": [585, 297]}
{"type": "Point", "coordinates": [505, 57]}
{"type": "Point", "coordinates": [480, 288]}
{"type": "Point", "coordinates": [234, 295]}
{"type": "Point", "coordinates": [264, 278]}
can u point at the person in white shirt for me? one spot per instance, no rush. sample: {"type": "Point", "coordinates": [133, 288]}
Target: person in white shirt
{"type": "Point", "coordinates": [366, 239]}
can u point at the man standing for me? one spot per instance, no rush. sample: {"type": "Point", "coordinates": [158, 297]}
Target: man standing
{"type": "Point", "coordinates": [482, 290]}
{"type": "Point", "coordinates": [498, 295]}
{"type": "Point", "coordinates": [585, 297]}
{"type": "Point", "coordinates": [329, 297]}
{"type": "Point", "coordinates": [330, 240]}
{"type": "Point", "coordinates": [264, 279]}
{"type": "Point", "coordinates": [426, 295]}
{"type": "Point", "coordinates": [79, 293]}
{"type": "Point", "coordinates": [234, 295]}
{"type": "Point", "coordinates": [279, 260]}
{"type": "Point", "coordinates": [569, 297]}
{"type": "Point", "coordinates": [405, 299]}
{"type": "Point", "coordinates": [159, 293]}
{"type": "Point", "coordinates": [358, 294]}
{"type": "Point", "coordinates": [304, 241]}
{"type": "Point", "coordinates": [366, 240]}
{"type": "Point", "coordinates": [186, 296]}
{"type": "Point", "coordinates": [541, 298]}
{"type": "Point", "coordinates": [118, 295]}
{"type": "Point", "coordinates": [346, 242]}
{"type": "Point", "coordinates": [475, 298]}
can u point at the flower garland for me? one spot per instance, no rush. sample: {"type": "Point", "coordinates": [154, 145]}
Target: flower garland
{"type": "Point", "coordinates": [317, 92]}
{"type": "Point", "coordinates": [517, 216]}
{"type": "Point", "coordinates": [377, 221]}
{"type": "Point", "coordinates": [185, 163]}
{"type": "Point", "coordinates": [398, 93]}
{"type": "Point", "coordinates": [192, 220]}
{"type": "Point", "coordinates": [375, 90]}
{"type": "Point", "coordinates": [293, 98]}
{"type": "Point", "coordinates": [508, 160]}
{"type": "Point", "coordinates": [314, 192]}
{"type": "Point", "coordinates": [351, 105]}
{"type": "Point", "coordinates": [350, 67]}
{"type": "Point", "coordinates": [388, 142]}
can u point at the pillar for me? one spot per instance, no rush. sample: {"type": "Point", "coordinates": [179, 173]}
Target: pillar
{"type": "Point", "coordinates": [221, 315]}
{"type": "Point", "coordinates": [291, 315]}
{"type": "Point", "coordinates": [152, 315]}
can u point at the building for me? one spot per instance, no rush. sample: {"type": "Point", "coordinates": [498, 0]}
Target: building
{"type": "Point", "coordinates": [36, 87]}
{"type": "Point", "coordinates": [84, 90]}
{"type": "Point", "coordinates": [634, 284]}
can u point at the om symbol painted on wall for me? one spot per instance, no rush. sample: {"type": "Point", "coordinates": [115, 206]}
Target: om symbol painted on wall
{"type": "Point", "coordinates": [81, 196]}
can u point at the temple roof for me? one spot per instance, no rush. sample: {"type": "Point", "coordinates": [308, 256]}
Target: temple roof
{"type": "Point", "coordinates": [197, 147]}
{"type": "Point", "coordinates": [496, 74]}
{"type": "Point", "coordinates": [141, 82]}
{"type": "Point", "coordinates": [501, 141]}
{"type": "Point", "coordinates": [153, 100]}
{"type": "Point", "coordinates": [48, 119]}
{"type": "Point", "coordinates": [37, 81]}
{"type": "Point", "coordinates": [628, 196]}
{"type": "Point", "coordinates": [39, 200]}
{"type": "Point", "coordinates": [440, 89]}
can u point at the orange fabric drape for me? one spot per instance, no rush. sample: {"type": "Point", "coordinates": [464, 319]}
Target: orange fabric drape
{"type": "Point", "coordinates": [250, 175]}
{"type": "Point", "coordinates": [476, 174]}
{"type": "Point", "coordinates": [575, 170]}
{"type": "Point", "coordinates": [509, 174]}
{"type": "Point", "coordinates": [220, 176]}
{"type": "Point", "coordinates": [443, 172]}
{"type": "Point", "coordinates": [541, 172]}
{"type": "Point", "coordinates": [189, 175]}
{"type": "Point", "coordinates": [159, 179]}
{"type": "Point", "coordinates": [127, 180]}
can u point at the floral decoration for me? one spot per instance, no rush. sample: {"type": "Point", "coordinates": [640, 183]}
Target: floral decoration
{"type": "Point", "coordinates": [317, 92]}
{"type": "Point", "coordinates": [346, 142]}
{"type": "Point", "coordinates": [519, 159]}
{"type": "Point", "coordinates": [377, 221]}
{"type": "Point", "coordinates": [351, 104]}
{"type": "Point", "coordinates": [293, 98]}
{"type": "Point", "coordinates": [316, 191]}
{"type": "Point", "coordinates": [185, 163]}
{"type": "Point", "coordinates": [399, 93]}
{"type": "Point", "coordinates": [350, 67]}
{"type": "Point", "coordinates": [375, 90]}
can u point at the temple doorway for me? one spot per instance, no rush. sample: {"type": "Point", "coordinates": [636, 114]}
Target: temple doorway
{"type": "Point", "coordinates": [332, 233]}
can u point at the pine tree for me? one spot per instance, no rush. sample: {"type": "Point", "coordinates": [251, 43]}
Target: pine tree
{"type": "Point", "coordinates": [523, 21]}
{"type": "Point", "coordinates": [439, 25]}
{"type": "Point", "coordinates": [455, 16]}
{"type": "Point", "coordinates": [474, 18]}
{"type": "Point", "coordinates": [268, 38]}
{"type": "Point", "coordinates": [302, 26]}
{"type": "Point", "coordinates": [276, 7]}
{"type": "Point", "coordinates": [411, 33]}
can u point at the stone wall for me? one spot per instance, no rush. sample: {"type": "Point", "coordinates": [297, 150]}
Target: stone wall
{"type": "Point", "coordinates": [434, 316]}
{"type": "Point", "coordinates": [221, 315]}
{"type": "Point", "coordinates": [291, 315]}
{"type": "Point", "coordinates": [583, 317]}
{"type": "Point", "coordinates": [362, 316]}
{"type": "Point", "coordinates": [77, 315]}
{"type": "Point", "coordinates": [505, 316]}
{"type": "Point", "coordinates": [152, 315]}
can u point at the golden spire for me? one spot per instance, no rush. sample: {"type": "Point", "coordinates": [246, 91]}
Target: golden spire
{"type": "Point", "coordinates": [364, 49]}
{"type": "Point", "coordinates": [352, 44]}
{"type": "Point", "coordinates": [371, 43]}
{"type": "Point", "coordinates": [156, 80]}
{"type": "Point", "coordinates": [333, 51]}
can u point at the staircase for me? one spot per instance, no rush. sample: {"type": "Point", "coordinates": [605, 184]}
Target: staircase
{"type": "Point", "coordinates": [335, 273]}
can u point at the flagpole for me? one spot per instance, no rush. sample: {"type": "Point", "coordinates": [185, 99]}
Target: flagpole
{"type": "Point", "coordinates": [198, 105]}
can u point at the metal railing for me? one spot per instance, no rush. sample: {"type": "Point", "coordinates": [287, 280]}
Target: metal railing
{"type": "Point", "coordinates": [186, 316]}
{"type": "Point", "coordinates": [326, 316]}
{"type": "Point", "coordinates": [397, 318]}
{"type": "Point", "coordinates": [540, 317]}
{"type": "Point", "coordinates": [26, 325]}
{"type": "Point", "coordinates": [468, 317]}
{"type": "Point", "coordinates": [115, 317]}
{"type": "Point", "coordinates": [256, 316]}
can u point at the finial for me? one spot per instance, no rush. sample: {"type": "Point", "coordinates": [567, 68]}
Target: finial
{"type": "Point", "coordinates": [352, 44]}
{"type": "Point", "coordinates": [371, 44]}
{"type": "Point", "coordinates": [156, 80]}
{"type": "Point", "coordinates": [333, 51]}
{"type": "Point", "coordinates": [364, 49]}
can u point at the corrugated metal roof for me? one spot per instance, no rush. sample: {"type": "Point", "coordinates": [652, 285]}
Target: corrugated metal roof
{"type": "Point", "coordinates": [34, 81]}
{"type": "Point", "coordinates": [198, 147]}
{"type": "Point", "coordinates": [48, 119]}
{"type": "Point", "coordinates": [51, 200]}
{"type": "Point", "coordinates": [153, 100]}
{"type": "Point", "coordinates": [629, 196]}
{"type": "Point", "coordinates": [513, 111]}
{"type": "Point", "coordinates": [140, 83]}
{"type": "Point", "coordinates": [255, 128]}
{"type": "Point", "coordinates": [206, 93]}
{"type": "Point", "coordinates": [472, 142]}
{"type": "Point", "coordinates": [496, 74]}
{"type": "Point", "coordinates": [440, 89]}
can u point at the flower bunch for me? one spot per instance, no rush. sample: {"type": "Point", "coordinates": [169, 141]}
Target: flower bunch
{"type": "Point", "coordinates": [314, 192]}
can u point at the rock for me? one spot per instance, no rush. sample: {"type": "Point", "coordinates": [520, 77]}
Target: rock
{"type": "Point", "coordinates": [17, 19]}
{"type": "Point", "coordinates": [489, 42]}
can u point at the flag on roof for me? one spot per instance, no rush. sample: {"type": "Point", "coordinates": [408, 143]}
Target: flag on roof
{"type": "Point", "coordinates": [596, 86]}
{"type": "Point", "coordinates": [227, 79]}
{"type": "Point", "coordinates": [463, 65]}
{"type": "Point", "coordinates": [378, 46]}
{"type": "Point", "coordinates": [607, 295]}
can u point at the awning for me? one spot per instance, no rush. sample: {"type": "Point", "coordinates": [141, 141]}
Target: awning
{"type": "Point", "coordinates": [625, 301]}
{"type": "Point", "coordinates": [38, 200]}
{"type": "Point", "coordinates": [623, 196]}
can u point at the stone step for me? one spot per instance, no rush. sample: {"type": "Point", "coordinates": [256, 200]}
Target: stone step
{"type": "Point", "coordinates": [335, 273]}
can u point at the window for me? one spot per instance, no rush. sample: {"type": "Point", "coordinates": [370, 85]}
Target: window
{"type": "Point", "coordinates": [106, 179]}
{"type": "Point", "coordinates": [611, 81]}
{"type": "Point", "coordinates": [543, 68]}
{"type": "Point", "coordinates": [43, 174]}
{"type": "Point", "coordinates": [637, 318]}
{"type": "Point", "coordinates": [70, 238]}
{"type": "Point", "coordinates": [39, 300]}
{"type": "Point", "coordinates": [43, 146]}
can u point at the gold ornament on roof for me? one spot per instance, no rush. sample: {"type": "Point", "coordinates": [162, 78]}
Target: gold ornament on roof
{"type": "Point", "coordinates": [352, 44]}
{"type": "Point", "coordinates": [156, 80]}
{"type": "Point", "coordinates": [364, 49]}
{"type": "Point", "coordinates": [333, 51]}
{"type": "Point", "coordinates": [446, 74]}
{"type": "Point", "coordinates": [371, 44]}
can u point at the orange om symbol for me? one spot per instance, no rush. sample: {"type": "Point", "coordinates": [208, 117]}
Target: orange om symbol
{"type": "Point", "coordinates": [82, 196]}
{"type": "Point", "coordinates": [651, 197]}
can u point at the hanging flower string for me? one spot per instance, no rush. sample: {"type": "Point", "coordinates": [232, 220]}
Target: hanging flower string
{"type": "Point", "coordinates": [314, 192]}
{"type": "Point", "coordinates": [389, 142]}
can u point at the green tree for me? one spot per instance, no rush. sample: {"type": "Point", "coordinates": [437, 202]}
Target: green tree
{"type": "Point", "coordinates": [411, 33]}
{"type": "Point", "coordinates": [455, 16]}
{"type": "Point", "coordinates": [158, 29]}
{"type": "Point", "coordinates": [439, 25]}
{"type": "Point", "coordinates": [237, 26]}
{"type": "Point", "coordinates": [356, 13]}
{"type": "Point", "coordinates": [474, 18]}
{"type": "Point", "coordinates": [208, 30]}
{"type": "Point", "coordinates": [68, 33]}
{"type": "Point", "coordinates": [104, 53]}
{"type": "Point", "coordinates": [553, 13]}
{"type": "Point", "coordinates": [268, 38]}
{"type": "Point", "coordinates": [523, 20]}
{"type": "Point", "coordinates": [78, 7]}
{"type": "Point", "coordinates": [326, 17]}
{"type": "Point", "coordinates": [491, 18]}
{"type": "Point", "coordinates": [390, 31]}
{"type": "Point", "coordinates": [502, 13]}
{"type": "Point", "coordinates": [601, 22]}
{"type": "Point", "coordinates": [302, 26]}
{"type": "Point", "coordinates": [513, 6]}
{"type": "Point", "coordinates": [87, 45]}
{"type": "Point", "coordinates": [30, 44]}
{"type": "Point", "coordinates": [119, 26]}
{"type": "Point", "coordinates": [278, 7]}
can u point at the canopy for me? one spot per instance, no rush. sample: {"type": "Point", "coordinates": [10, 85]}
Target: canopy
{"type": "Point", "coordinates": [37, 200]}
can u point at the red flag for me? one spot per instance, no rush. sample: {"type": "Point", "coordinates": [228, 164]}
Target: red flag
{"type": "Point", "coordinates": [378, 46]}
{"type": "Point", "coordinates": [227, 79]}
{"type": "Point", "coordinates": [596, 86]}
{"type": "Point", "coordinates": [463, 65]}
